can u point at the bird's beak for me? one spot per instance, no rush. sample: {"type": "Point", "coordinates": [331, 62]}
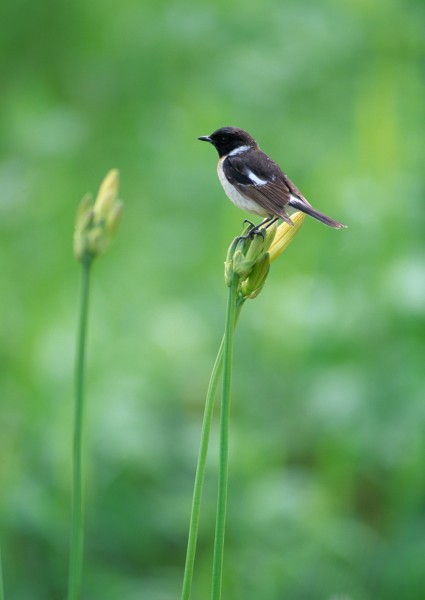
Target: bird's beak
{"type": "Point", "coordinates": [205, 138]}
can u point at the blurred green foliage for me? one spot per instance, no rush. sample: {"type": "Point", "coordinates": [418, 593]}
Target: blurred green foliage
{"type": "Point", "coordinates": [327, 488]}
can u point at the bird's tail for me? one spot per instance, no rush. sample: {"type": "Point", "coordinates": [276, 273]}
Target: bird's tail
{"type": "Point", "coordinates": [309, 210]}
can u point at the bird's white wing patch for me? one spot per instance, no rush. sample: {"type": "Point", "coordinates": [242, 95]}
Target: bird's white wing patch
{"type": "Point", "coordinates": [254, 178]}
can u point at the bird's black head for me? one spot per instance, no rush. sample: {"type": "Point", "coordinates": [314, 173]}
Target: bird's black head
{"type": "Point", "coordinates": [227, 139]}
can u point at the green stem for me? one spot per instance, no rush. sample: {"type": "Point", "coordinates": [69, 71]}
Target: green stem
{"type": "Point", "coordinates": [200, 474]}
{"type": "Point", "coordinates": [223, 477]}
{"type": "Point", "coordinates": [76, 550]}
{"type": "Point", "coordinates": [200, 468]}
{"type": "Point", "coordinates": [1, 580]}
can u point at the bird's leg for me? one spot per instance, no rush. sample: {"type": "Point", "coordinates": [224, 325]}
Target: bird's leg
{"type": "Point", "coordinates": [271, 221]}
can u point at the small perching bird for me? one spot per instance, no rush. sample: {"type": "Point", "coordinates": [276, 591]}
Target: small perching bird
{"type": "Point", "coordinates": [254, 182]}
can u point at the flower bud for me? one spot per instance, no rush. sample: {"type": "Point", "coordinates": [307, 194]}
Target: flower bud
{"type": "Point", "coordinates": [228, 272]}
{"type": "Point", "coordinates": [256, 247]}
{"type": "Point", "coordinates": [107, 195]}
{"type": "Point", "coordinates": [114, 217]}
{"type": "Point", "coordinates": [270, 235]}
{"type": "Point", "coordinates": [285, 234]}
{"type": "Point", "coordinates": [228, 264]}
{"type": "Point", "coordinates": [83, 222]}
{"type": "Point", "coordinates": [96, 225]}
{"type": "Point", "coordinates": [249, 258]}
{"type": "Point", "coordinates": [254, 283]}
{"type": "Point", "coordinates": [242, 266]}
{"type": "Point", "coordinates": [259, 245]}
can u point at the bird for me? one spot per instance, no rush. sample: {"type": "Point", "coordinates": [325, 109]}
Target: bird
{"type": "Point", "coordinates": [255, 183]}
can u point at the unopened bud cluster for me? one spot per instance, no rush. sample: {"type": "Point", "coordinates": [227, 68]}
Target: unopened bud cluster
{"type": "Point", "coordinates": [249, 257]}
{"type": "Point", "coordinates": [96, 222]}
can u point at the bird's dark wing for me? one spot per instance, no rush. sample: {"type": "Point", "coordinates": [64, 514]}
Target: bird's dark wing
{"type": "Point", "coordinates": [256, 176]}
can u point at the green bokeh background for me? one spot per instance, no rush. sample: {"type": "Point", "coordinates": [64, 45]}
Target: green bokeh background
{"type": "Point", "coordinates": [327, 488]}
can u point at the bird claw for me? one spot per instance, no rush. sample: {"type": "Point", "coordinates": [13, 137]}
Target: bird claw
{"type": "Point", "coordinates": [256, 231]}
{"type": "Point", "coordinates": [249, 223]}
{"type": "Point", "coordinates": [252, 232]}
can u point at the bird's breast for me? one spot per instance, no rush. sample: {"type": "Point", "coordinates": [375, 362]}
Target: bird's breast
{"type": "Point", "coordinates": [239, 200]}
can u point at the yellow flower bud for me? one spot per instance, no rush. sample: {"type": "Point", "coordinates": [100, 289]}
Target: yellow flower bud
{"type": "Point", "coordinates": [96, 225]}
{"type": "Point", "coordinates": [250, 258]}
{"type": "Point", "coordinates": [270, 235]}
{"type": "Point", "coordinates": [114, 217]}
{"type": "Point", "coordinates": [84, 212]}
{"type": "Point", "coordinates": [107, 195]}
{"type": "Point", "coordinates": [285, 234]}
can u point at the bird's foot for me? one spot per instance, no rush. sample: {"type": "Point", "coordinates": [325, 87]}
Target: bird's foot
{"type": "Point", "coordinates": [250, 235]}
{"type": "Point", "coordinates": [252, 231]}
{"type": "Point", "coordinates": [249, 223]}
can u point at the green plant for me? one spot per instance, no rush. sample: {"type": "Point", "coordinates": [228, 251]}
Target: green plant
{"type": "Point", "coordinates": [246, 269]}
{"type": "Point", "coordinates": [1, 580]}
{"type": "Point", "coordinates": [95, 226]}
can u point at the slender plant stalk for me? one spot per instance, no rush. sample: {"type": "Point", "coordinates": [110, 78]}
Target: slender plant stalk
{"type": "Point", "coordinates": [249, 263]}
{"type": "Point", "coordinates": [1, 580]}
{"type": "Point", "coordinates": [200, 474]}
{"type": "Point", "coordinates": [229, 331]}
{"type": "Point", "coordinates": [76, 550]}
{"type": "Point", "coordinates": [200, 468]}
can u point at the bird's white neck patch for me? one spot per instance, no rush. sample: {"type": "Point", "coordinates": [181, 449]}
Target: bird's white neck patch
{"type": "Point", "coordinates": [239, 150]}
